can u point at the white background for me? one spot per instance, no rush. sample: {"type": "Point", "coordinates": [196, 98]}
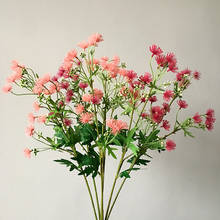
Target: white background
{"type": "Point", "coordinates": [180, 185]}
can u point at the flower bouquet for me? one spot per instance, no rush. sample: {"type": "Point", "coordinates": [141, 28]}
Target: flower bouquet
{"type": "Point", "coordinates": [97, 108]}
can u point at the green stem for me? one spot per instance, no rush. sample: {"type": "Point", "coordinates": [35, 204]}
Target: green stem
{"type": "Point", "coordinates": [119, 190]}
{"type": "Point", "coordinates": [97, 198]}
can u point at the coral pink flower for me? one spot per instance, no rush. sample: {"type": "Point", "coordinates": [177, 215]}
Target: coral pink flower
{"type": "Point", "coordinates": [30, 130]}
{"type": "Point", "coordinates": [104, 58]}
{"type": "Point", "coordinates": [116, 125]}
{"type": "Point", "coordinates": [166, 107]}
{"type": "Point", "coordinates": [116, 60]}
{"type": "Point", "coordinates": [170, 145]}
{"type": "Point", "coordinates": [45, 79]}
{"type": "Point", "coordinates": [79, 109]}
{"type": "Point", "coordinates": [155, 50]}
{"type": "Point", "coordinates": [95, 61]}
{"type": "Point", "coordinates": [98, 93]}
{"type": "Point", "coordinates": [15, 76]}
{"type": "Point", "coordinates": [146, 78]}
{"type": "Point", "coordinates": [38, 89]}
{"type": "Point", "coordinates": [166, 125]}
{"type": "Point", "coordinates": [15, 65]}
{"type": "Point", "coordinates": [41, 119]}
{"type": "Point", "coordinates": [122, 72]}
{"type": "Point", "coordinates": [196, 75]}
{"type": "Point", "coordinates": [87, 98]}
{"type": "Point", "coordinates": [167, 95]}
{"type": "Point", "coordinates": [182, 104]}
{"type": "Point", "coordinates": [153, 99]}
{"type": "Point", "coordinates": [67, 122]}
{"type": "Point", "coordinates": [83, 85]}
{"type": "Point", "coordinates": [31, 118]}
{"type": "Point", "coordinates": [6, 88]}
{"type": "Point", "coordinates": [197, 118]}
{"type": "Point", "coordinates": [94, 39]}
{"type": "Point", "coordinates": [86, 117]}
{"type": "Point", "coordinates": [84, 44]}
{"type": "Point", "coordinates": [27, 153]}
{"type": "Point", "coordinates": [157, 114]}
{"type": "Point", "coordinates": [36, 106]}
{"type": "Point", "coordinates": [70, 56]}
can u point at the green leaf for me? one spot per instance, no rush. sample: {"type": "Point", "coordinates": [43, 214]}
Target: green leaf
{"type": "Point", "coordinates": [130, 135]}
{"type": "Point", "coordinates": [87, 133]}
{"type": "Point", "coordinates": [139, 161]}
{"type": "Point", "coordinates": [152, 136]}
{"type": "Point", "coordinates": [133, 148]}
{"type": "Point", "coordinates": [110, 151]}
{"type": "Point", "coordinates": [125, 174]}
{"type": "Point", "coordinates": [67, 163]}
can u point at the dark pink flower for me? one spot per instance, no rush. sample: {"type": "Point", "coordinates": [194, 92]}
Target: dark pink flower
{"type": "Point", "coordinates": [182, 104]}
{"type": "Point", "coordinates": [210, 113]}
{"type": "Point", "coordinates": [83, 85]}
{"type": "Point", "coordinates": [157, 114]}
{"type": "Point", "coordinates": [170, 145]}
{"type": "Point", "coordinates": [67, 122]}
{"type": "Point", "coordinates": [155, 50]}
{"type": "Point", "coordinates": [144, 115]}
{"type": "Point", "coordinates": [131, 75]}
{"type": "Point", "coordinates": [161, 60]}
{"type": "Point", "coordinates": [153, 99]}
{"type": "Point", "coordinates": [210, 119]}
{"type": "Point", "coordinates": [146, 78]}
{"type": "Point", "coordinates": [165, 125]}
{"type": "Point", "coordinates": [197, 118]}
{"type": "Point", "coordinates": [95, 100]}
{"type": "Point", "coordinates": [166, 107]}
{"type": "Point", "coordinates": [64, 85]}
{"type": "Point", "coordinates": [167, 95]}
{"type": "Point", "coordinates": [196, 75]}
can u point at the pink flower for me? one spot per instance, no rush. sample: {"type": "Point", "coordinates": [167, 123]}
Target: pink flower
{"type": "Point", "coordinates": [79, 109]}
{"type": "Point", "coordinates": [116, 60]}
{"type": "Point", "coordinates": [161, 60]}
{"type": "Point", "coordinates": [31, 118]}
{"type": "Point", "coordinates": [182, 104]}
{"type": "Point", "coordinates": [41, 119]}
{"type": "Point", "coordinates": [196, 75]}
{"type": "Point", "coordinates": [210, 119]}
{"type": "Point", "coordinates": [95, 100]}
{"type": "Point", "coordinates": [69, 93]}
{"type": "Point", "coordinates": [30, 130]}
{"type": "Point", "coordinates": [172, 66]}
{"type": "Point", "coordinates": [131, 75]}
{"type": "Point", "coordinates": [170, 145]}
{"type": "Point", "coordinates": [83, 85]}
{"type": "Point", "coordinates": [166, 125]}
{"type": "Point", "coordinates": [94, 39]}
{"type": "Point", "coordinates": [86, 117]}
{"type": "Point", "coordinates": [64, 85]}
{"type": "Point", "coordinates": [36, 106]}
{"type": "Point", "coordinates": [98, 93]}
{"type": "Point", "coordinates": [45, 79]}
{"type": "Point", "coordinates": [7, 88]}
{"type": "Point", "coordinates": [15, 76]}
{"type": "Point", "coordinates": [87, 98]}
{"type": "Point", "coordinates": [70, 56]}
{"type": "Point", "coordinates": [167, 95]}
{"type": "Point", "coordinates": [144, 115]}
{"type": "Point", "coordinates": [153, 98]}
{"type": "Point", "coordinates": [166, 107]}
{"type": "Point", "coordinates": [146, 78]}
{"type": "Point", "coordinates": [15, 65]}
{"type": "Point", "coordinates": [157, 114]}
{"type": "Point", "coordinates": [116, 125]}
{"type": "Point", "coordinates": [67, 122]}
{"type": "Point", "coordinates": [84, 44]}
{"type": "Point", "coordinates": [155, 50]}
{"type": "Point", "coordinates": [27, 153]}
{"type": "Point", "coordinates": [38, 89]}
{"type": "Point", "coordinates": [104, 58]}
{"type": "Point", "coordinates": [95, 61]}
{"type": "Point", "coordinates": [197, 118]}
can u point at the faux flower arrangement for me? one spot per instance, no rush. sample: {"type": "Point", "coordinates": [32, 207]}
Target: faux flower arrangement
{"type": "Point", "coordinates": [98, 108]}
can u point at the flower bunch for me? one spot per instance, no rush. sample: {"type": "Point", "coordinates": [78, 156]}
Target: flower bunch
{"type": "Point", "coordinates": [126, 114]}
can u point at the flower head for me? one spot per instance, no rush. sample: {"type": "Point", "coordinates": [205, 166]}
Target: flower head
{"type": "Point", "coordinates": [27, 153]}
{"type": "Point", "coordinates": [157, 114]}
{"type": "Point", "coordinates": [166, 125]}
{"type": "Point", "coordinates": [116, 125]}
{"type": "Point", "coordinates": [197, 118]}
{"type": "Point", "coordinates": [167, 95]}
{"type": "Point", "coordinates": [30, 130]}
{"type": "Point", "coordinates": [79, 109]}
{"type": "Point", "coordinates": [182, 104]}
{"type": "Point", "coordinates": [86, 117]}
{"type": "Point", "coordinates": [155, 50]}
{"type": "Point", "coordinates": [7, 88]}
{"type": "Point", "coordinates": [170, 145]}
